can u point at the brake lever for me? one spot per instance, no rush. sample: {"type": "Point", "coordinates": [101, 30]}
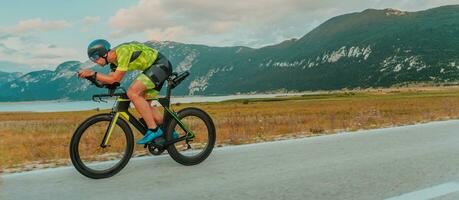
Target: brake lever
{"type": "Point", "coordinates": [96, 98]}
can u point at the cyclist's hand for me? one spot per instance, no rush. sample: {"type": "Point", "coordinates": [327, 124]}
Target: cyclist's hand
{"type": "Point", "coordinates": [85, 73]}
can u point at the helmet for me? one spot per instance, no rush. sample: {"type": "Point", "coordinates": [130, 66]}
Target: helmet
{"type": "Point", "coordinates": [98, 48]}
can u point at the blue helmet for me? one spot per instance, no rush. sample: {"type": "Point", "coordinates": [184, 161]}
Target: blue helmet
{"type": "Point", "coordinates": [98, 48]}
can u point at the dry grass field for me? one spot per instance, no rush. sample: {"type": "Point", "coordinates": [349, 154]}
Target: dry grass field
{"type": "Point", "coordinates": [30, 139]}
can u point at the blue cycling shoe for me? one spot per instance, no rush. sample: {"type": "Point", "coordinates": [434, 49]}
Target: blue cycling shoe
{"type": "Point", "coordinates": [175, 135]}
{"type": "Point", "coordinates": [150, 136]}
{"type": "Point", "coordinates": [162, 140]}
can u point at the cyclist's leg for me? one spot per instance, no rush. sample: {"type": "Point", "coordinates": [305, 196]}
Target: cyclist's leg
{"type": "Point", "coordinates": [158, 117]}
{"type": "Point", "coordinates": [136, 95]}
{"type": "Point", "coordinates": [156, 74]}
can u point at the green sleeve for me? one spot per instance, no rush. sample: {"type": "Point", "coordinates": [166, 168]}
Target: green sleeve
{"type": "Point", "coordinates": [123, 55]}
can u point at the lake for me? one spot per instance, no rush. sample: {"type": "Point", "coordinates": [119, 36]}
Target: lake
{"type": "Point", "coordinates": [58, 106]}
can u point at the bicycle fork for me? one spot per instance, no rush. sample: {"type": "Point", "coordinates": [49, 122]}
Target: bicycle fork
{"type": "Point", "coordinates": [110, 128]}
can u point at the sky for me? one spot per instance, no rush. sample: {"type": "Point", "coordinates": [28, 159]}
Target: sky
{"type": "Point", "coordinates": [37, 35]}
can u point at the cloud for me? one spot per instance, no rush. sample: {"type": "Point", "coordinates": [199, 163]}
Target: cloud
{"type": "Point", "coordinates": [88, 20]}
{"type": "Point", "coordinates": [18, 44]}
{"type": "Point", "coordinates": [254, 22]}
{"type": "Point", "coordinates": [38, 55]}
{"type": "Point", "coordinates": [6, 66]}
{"type": "Point", "coordinates": [197, 21]}
{"type": "Point", "coordinates": [36, 24]}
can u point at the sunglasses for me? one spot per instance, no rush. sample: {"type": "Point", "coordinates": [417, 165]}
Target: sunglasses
{"type": "Point", "coordinates": [94, 57]}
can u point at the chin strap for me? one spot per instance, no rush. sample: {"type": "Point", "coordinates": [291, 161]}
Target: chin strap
{"type": "Point", "coordinates": [106, 61]}
{"type": "Point", "coordinates": [105, 58]}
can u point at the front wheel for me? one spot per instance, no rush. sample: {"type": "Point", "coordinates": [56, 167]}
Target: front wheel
{"type": "Point", "coordinates": [93, 160]}
{"type": "Point", "coordinates": [196, 149]}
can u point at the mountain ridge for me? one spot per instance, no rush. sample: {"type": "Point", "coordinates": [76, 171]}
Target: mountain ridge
{"type": "Point", "coordinates": [372, 48]}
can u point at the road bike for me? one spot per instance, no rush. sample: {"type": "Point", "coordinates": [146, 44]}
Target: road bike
{"type": "Point", "coordinates": [102, 145]}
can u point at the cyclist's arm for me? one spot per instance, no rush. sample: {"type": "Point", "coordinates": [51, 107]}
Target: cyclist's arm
{"type": "Point", "coordinates": [116, 76]}
{"type": "Point", "coordinates": [123, 55]}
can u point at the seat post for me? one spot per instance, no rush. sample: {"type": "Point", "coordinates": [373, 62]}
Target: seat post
{"type": "Point", "coordinates": [168, 92]}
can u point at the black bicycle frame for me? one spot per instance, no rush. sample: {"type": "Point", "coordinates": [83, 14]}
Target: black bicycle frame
{"type": "Point", "coordinates": [122, 109]}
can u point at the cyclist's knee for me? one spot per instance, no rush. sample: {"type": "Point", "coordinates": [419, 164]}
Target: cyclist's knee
{"type": "Point", "coordinates": [136, 90]}
{"type": "Point", "coordinates": [133, 94]}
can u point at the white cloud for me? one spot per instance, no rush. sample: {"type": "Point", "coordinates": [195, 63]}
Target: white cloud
{"type": "Point", "coordinates": [18, 44]}
{"type": "Point", "coordinates": [254, 22]}
{"type": "Point", "coordinates": [38, 55]}
{"type": "Point", "coordinates": [36, 24]}
{"type": "Point", "coordinates": [88, 20]}
{"type": "Point", "coordinates": [171, 33]}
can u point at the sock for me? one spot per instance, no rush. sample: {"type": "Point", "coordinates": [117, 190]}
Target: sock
{"type": "Point", "coordinates": [154, 130]}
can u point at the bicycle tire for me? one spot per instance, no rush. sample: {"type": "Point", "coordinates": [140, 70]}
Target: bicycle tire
{"type": "Point", "coordinates": [75, 154]}
{"type": "Point", "coordinates": [172, 150]}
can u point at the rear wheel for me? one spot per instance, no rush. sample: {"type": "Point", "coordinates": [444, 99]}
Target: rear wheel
{"type": "Point", "coordinates": [94, 161]}
{"type": "Point", "coordinates": [193, 150]}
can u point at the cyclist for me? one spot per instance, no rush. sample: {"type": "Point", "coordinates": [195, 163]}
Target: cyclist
{"type": "Point", "coordinates": [155, 69]}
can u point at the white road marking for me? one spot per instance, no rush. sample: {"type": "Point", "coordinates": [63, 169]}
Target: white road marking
{"type": "Point", "coordinates": [429, 193]}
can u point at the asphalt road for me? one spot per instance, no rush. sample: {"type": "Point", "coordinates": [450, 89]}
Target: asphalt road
{"type": "Point", "coordinates": [412, 162]}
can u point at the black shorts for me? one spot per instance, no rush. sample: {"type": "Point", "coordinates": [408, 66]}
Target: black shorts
{"type": "Point", "coordinates": [159, 71]}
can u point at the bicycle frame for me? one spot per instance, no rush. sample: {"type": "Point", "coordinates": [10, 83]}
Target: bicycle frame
{"type": "Point", "coordinates": [122, 109]}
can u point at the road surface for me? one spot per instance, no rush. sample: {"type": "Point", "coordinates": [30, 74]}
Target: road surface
{"type": "Point", "coordinates": [411, 162]}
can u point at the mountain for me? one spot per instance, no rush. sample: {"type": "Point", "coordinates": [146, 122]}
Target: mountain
{"type": "Point", "coordinates": [372, 48]}
{"type": "Point", "coordinates": [61, 83]}
{"type": "Point", "coordinates": [6, 77]}
{"type": "Point", "coordinates": [381, 48]}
